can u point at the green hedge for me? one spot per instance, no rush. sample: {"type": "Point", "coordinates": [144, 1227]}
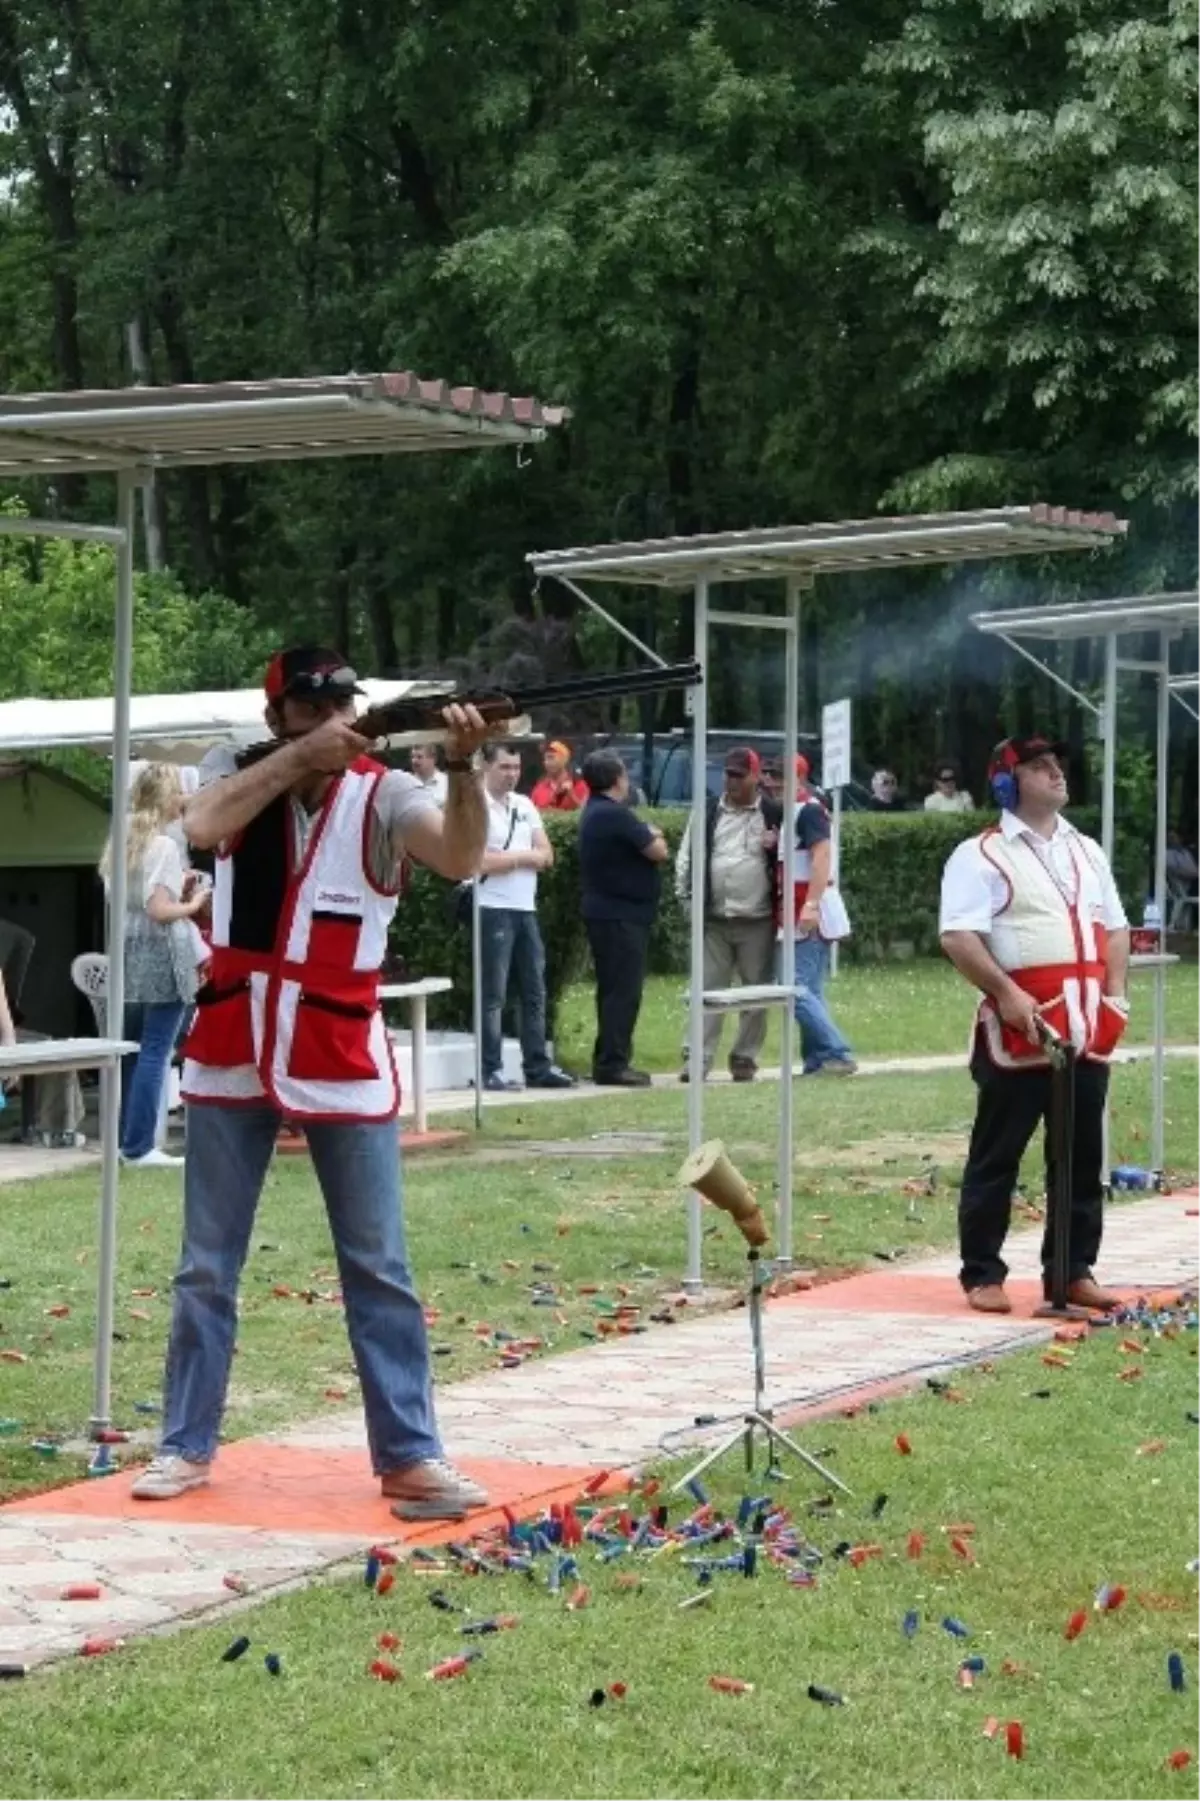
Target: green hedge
{"type": "Point", "coordinates": [891, 877]}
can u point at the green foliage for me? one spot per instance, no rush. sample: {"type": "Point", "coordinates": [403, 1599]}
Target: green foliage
{"type": "Point", "coordinates": [56, 617]}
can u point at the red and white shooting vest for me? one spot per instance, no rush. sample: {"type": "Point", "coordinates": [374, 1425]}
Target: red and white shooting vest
{"type": "Point", "coordinates": [1050, 937]}
{"type": "Point", "coordinates": [290, 1013]}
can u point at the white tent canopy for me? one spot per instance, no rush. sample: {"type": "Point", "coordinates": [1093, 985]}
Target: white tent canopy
{"type": "Point", "coordinates": [163, 728]}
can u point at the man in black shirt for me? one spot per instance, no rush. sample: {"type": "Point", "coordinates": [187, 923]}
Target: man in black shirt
{"type": "Point", "coordinates": [619, 855]}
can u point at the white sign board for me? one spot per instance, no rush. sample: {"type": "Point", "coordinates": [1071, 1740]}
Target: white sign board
{"type": "Point", "coordinates": [835, 744]}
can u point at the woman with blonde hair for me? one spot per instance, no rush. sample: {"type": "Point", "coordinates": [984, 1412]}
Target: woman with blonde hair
{"type": "Point", "coordinates": [160, 958]}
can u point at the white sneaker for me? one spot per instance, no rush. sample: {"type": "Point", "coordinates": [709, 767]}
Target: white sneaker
{"type": "Point", "coordinates": [154, 1159]}
{"type": "Point", "coordinates": [432, 1490]}
{"type": "Point", "coordinates": [168, 1476]}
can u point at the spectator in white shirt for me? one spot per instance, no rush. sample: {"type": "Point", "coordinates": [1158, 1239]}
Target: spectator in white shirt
{"type": "Point", "coordinates": [510, 938]}
{"type": "Point", "coordinates": [947, 796]}
{"type": "Point", "coordinates": [422, 760]}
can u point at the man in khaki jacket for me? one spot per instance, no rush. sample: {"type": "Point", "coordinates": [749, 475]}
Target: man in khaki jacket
{"type": "Point", "coordinates": [741, 838]}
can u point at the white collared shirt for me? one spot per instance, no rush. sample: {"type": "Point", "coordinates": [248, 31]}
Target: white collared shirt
{"type": "Point", "coordinates": [974, 891]}
{"type": "Point", "coordinates": [513, 822]}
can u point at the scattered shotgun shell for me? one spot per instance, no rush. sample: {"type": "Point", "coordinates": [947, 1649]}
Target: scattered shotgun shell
{"type": "Point", "coordinates": [81, 1591]}
{"type": "Point", "coordinates": [991, 1726]}
{"type": "Point", "coordinates": [274, 1663]}
{"type": "Point", "coordinates": [1014, 1739]}
{"type": "Point", "coordinates": [1075, 1625]}
{"type": "Point", "coordinates": [916, 1543]}
{"type": "Point", "coordinates": [975, 1665]}
{"type": "Point", "coordinates": [238, 1584]}
{"type": "Point", "coordinates": [903, 1444]}
{"type": "Point", "coordinates": [237, 1649]}
{"type": "Point", "coordinates": [597, 1698]}
{"type": "Point", "coordinates": [697, 1600]}
{"type": "Point", "coordinates": [1175, 1672]}
{"type": "Point", "coordinates": [962, 1549]}
{"type": "Point", "coordinates": [1152, 1447]}
{"type": "Point", "coordinates": [618, 1690]}
{"type": "Point", "coordinates": [371, 1572]}
{"type": "Point", "coordinates": [100, 1647]}
{"type": "Point", "coordinates": [955, 1628]}
{"type": "Point", "coordinates": [386, 1582]}
{"type": "Point", "coordinates": [828, 1697]}
{"type": "Point", "coordinates": [910, 1624]}
{"type": "Point", "coordinates": [878, 1505]}
{"type": "Point", "coordinates": [965, 1677]}
{"type": "Point", "coordinates": [13, 1672]}
{"type": "Point", "coordinates": [500, 1622]}
{"type": "Point", "coordinates": [1179, 1760]}
{"type": "Point", "coordinates": [579, 1597]}
{"type": "Point", "coordinates": [595, 1483]}
{"type": "Point", "coordinates": [730, 1685]}
{"type": "Point", "coordinates": [1109, 1598]}
{"type": "Point", "coordinates": [452, 1666]}
{"type": "Point", "coordinates": [383, 1670]}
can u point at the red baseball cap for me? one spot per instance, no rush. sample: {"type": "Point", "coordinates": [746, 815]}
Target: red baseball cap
{"type": "Point", "coordinates": [1010, 753]}
{"type": "Point", "coordinates": [309, 672]}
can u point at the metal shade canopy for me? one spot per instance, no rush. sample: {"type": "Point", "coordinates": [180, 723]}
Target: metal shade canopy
{"type": "Point", "coordinates": [795, 554]}
{"type": "Point", "coordinates": [824, 549]}
{"type": "Point", "coordinates": [101, 430]}
{"type": "Point", "coordinates": [1168, 617]}
{"type": "Point", "coordinates": [132, 433]}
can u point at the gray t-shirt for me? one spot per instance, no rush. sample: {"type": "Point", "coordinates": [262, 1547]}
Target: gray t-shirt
{"type": "Point", "coordinates": [399, 799]}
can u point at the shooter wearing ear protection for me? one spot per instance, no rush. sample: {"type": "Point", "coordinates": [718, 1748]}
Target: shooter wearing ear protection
{"type": "Point", "coordinates": [1031, 917]}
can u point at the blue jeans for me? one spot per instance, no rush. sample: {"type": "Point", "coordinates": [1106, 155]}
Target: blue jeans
{"type": "Point", "coordinates": [820, 1040]}
{"type": "Point", "coordinates": [511, 941]}
{"type": "Point", "coordinates": [156, 1027]}
{"type": "Point", "coordinates": [358, 1167]}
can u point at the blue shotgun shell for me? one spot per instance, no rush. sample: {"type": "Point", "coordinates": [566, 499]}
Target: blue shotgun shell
{"type": "Point", "coordinates": [1175, 1672]}
{"type": "Point", "coordinates": [237, 1649]}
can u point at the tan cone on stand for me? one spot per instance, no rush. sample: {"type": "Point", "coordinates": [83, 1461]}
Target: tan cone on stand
{"type": "Point", "coordinates": [709, 1171]}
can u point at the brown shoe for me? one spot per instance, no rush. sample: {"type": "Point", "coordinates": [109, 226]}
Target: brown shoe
{"type": "Point", "coordinates": [743, 1072]}
{"type": "Point", "coordinates": [431, 1490]}
{"type": "Point", "coordinates": [989, 1298]}
{"type": "Point", "coordinates": [1087, 1292]}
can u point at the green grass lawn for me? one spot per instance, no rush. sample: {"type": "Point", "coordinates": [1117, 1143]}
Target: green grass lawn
{"type": "Point", "coordinates": [1060, 1500]}
{"type": "Point", "coordinates": [884, 1010]}
{"type": "Point", "coordinates": [478, 1223]}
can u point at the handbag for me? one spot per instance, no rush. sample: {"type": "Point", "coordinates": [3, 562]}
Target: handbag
{"type": "Point", "coordinates": [459, 902]}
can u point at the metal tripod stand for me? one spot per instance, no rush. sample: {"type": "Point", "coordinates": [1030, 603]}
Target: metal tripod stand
{"type": "Point", "coordinates": [1062, 1055]}
{"type": "Point", "coordinates": [759, 1418]}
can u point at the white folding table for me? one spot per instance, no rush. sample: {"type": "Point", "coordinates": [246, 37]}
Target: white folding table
{"type": "Point", "coordinates": [417, 994]}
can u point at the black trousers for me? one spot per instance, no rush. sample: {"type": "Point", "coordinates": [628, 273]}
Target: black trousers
{"type": "Point", "coordinates": [619, 950]}
{"type": "Point", "coordinates": [1011, 1105]}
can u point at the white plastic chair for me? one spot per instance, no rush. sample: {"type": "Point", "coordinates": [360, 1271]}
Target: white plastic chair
{"type": "Point", "coordinates": [90, 975]}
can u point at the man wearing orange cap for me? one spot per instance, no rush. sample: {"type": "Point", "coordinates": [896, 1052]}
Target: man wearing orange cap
{"type": "Point", "coordinates": [560, 789]}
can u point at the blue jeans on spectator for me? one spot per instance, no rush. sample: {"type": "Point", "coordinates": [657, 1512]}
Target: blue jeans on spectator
{"type": "Point", "coordinates": [358, 1167]}
{"type": "Point", "coordinates": [820, 1040]}
{"type": "Point", "coordinates": [511, 941]}
{"type": "Point", "coordinates": [155, 1025]}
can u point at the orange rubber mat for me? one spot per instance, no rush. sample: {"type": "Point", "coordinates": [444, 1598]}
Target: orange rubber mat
{"type": "Point", "coordinates": [890, 1291]}
{"type": "Point", "coordinates": [281, 1488]}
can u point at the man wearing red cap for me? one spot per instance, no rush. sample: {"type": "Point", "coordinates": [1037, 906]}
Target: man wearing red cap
{"type": "Point", "coordinates": [741, 836]}
{"type": "Point", "coordinates": [1031, 917]}
{"type": "Point", "coordinates": [560, 790]}
{"type": "Point", "coordinates": [309, 842]}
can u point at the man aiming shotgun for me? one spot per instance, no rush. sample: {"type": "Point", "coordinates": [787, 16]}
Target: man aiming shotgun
{"type": "Point", "coordinates": [310, 831]}
{"type": "Point", "coordinates": [1030, 916]}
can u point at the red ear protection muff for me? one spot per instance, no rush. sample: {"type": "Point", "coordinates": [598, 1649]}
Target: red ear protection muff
{"type": "Point", "coordinates": [1002, 775]}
